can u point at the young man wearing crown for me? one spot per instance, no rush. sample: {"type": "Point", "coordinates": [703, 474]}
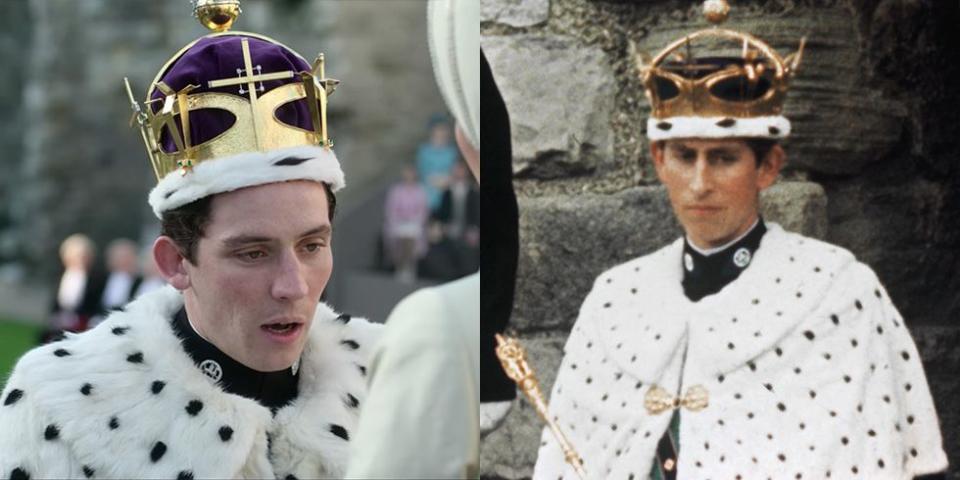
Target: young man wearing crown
{"type": "Point", "coordinates": [237, 371]}
{"type": "Point", "coordinates": [740, 350]}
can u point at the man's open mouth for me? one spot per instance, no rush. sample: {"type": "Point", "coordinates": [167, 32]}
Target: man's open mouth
{"type": "Point", "coordinates": [280, 327]}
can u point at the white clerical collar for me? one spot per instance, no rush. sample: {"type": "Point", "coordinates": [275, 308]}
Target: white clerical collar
{"type": "Point", "coordinates": [710, 251]}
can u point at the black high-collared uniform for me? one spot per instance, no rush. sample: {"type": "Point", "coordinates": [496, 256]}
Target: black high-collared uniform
{"type": "Point", "coordinates": [271, 389]}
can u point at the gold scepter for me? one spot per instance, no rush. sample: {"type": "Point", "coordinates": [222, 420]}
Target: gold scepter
{"type": "Point", "coordinates": [514, 361]}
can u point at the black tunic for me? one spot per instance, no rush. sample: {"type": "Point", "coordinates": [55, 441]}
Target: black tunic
{"type": "Point", "coordinates": [271, 389]}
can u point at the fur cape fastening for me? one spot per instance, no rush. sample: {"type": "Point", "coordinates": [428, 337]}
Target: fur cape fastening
{"type": "Point", "coordinates": [809, 369]}
{"type": "Point", "coordinates": [124, 400]}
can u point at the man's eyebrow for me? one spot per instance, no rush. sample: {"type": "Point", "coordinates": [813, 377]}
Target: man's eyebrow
{"type": "Point", "coordinates": [322, 229]}
{"type": "Point", "coordinates": [240, 240]}
{"type": "Point", "coordinates": [679, 148]}
{"type": "Point", "coordinates": [721, 151]}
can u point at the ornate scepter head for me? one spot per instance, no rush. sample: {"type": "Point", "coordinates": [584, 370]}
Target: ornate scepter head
{"type": "Point", "coordinates": [514, 360]}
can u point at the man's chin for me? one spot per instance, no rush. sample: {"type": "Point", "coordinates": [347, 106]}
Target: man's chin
{"type": "Point", "coordinates": [709, 237]}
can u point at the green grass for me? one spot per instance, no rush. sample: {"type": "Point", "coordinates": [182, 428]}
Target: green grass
{"type": "Point", "coordinates": [15, 339]}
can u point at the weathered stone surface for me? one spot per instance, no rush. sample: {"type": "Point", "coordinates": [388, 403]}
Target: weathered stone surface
{"type": "Point", "coordinates": [565, 242]}
{"type": "Point", "coordinates": [797, 207]}
{"type": "Point", "coordinates": [511, 450]}
{"type": "Point", "coordinates": [515, 13]}
{"type": "Point", "coordinates": [560, 97]}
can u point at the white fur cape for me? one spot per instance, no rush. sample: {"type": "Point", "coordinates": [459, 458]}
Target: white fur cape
{"type": "Point", "coordinates": [88, 407]}
{"type": "Point", "coordinates": [810, 370]}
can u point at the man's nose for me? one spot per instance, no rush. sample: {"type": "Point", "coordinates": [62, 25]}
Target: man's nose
{"type": "Point", "coordinates": [701, 183]}
{"type": "Point", "coordinates": [290, 282]}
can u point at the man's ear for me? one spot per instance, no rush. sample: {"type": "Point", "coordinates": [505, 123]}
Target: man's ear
{"type": "Point", "coordinates": [171, 263]}
{"type": "Point", "coordinates": [769, 168]}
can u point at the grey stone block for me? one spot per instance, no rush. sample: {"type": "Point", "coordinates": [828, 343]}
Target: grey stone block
{"type": "Point", "coordinates": [565, 242]}
{"type": "Point", "coordinates": [560, 97]}
{"type": "Point", "coordinates": [797, 206]}
{"type": "Point", "coordinates": [515, 13]}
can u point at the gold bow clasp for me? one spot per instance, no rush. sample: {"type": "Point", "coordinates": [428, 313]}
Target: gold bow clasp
{"type": "Point", "coordinates": [659, 400]}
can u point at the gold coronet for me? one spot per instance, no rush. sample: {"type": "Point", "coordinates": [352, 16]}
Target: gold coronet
{"type": "Point", "coordinates": [694, 96]}
{"type": "Point", "coordinates": [217, 15]}
{"type": "Point", "coordinates": [256, 126]}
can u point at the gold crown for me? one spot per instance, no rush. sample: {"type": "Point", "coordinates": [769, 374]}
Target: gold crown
{"type": "Point", "coordinates": [256, 126]}
{"type": "Point", "coordinates": [753, 85]}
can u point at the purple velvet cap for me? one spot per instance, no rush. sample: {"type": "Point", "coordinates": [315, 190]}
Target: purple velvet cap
{"type": "Point", "coordinates": [215, 58]}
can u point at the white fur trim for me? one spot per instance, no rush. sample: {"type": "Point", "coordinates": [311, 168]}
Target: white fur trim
{"type": "Point", "coordinates": [303, 442]}
{"type": "Point", "coordinates": [774, 127]}
{"type": "Point", "coordinates": [245, 170]}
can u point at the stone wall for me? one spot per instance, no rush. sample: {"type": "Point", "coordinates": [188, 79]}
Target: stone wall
{"type": "Point", "coordinates": [872, 160]}
{"type": "Point", "coordinates": [17, 33]}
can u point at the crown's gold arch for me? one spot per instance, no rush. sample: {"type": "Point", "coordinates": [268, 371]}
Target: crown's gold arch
{"type": "Point", "coordinates": [256, 126]}
{"type": "Point", "coordinates": [695, 99]}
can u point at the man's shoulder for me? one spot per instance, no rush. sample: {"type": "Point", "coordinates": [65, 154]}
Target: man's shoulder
{"type": "Point", "coordinates": [328, 321]}
{"type": "Point", "coordinates": [801, 251]}
{"type": "Point", "coordinates": [339, 340]}
{"type": "Point", "coordinates": [653, 264]}
{"type": "Point", "coordinates": [120, 389]}
{"type": "Point", "coordinates": [120, 343]}
{"type": "Point", "coordinates": [819, 266]}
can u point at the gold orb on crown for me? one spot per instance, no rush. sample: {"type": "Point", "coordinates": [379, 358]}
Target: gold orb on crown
{"type": "Point", "coordinates": [716, 11]}
{"type": "Point", "coordinates": [217, 15]}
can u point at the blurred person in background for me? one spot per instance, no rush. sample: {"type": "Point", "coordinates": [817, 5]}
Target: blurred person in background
{"type": "Point", "coordinates": [435, 159]}
{"type": "Point", "coordinates": [123, 278]}
{"type": "Point", "coordinates": [152, 280]}
{"type": "Point", "coordinates": [78, 294]}
{"type": "Point", "coordinates": [421, 416]}
{"type": "Point", "coordinates": [459, 218]}
{"type": "Point", "coordinates": [405, 223]}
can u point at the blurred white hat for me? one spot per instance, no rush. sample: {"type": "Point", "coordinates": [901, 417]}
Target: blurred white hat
{"type": "Point", "coordinates": [453, 28]}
